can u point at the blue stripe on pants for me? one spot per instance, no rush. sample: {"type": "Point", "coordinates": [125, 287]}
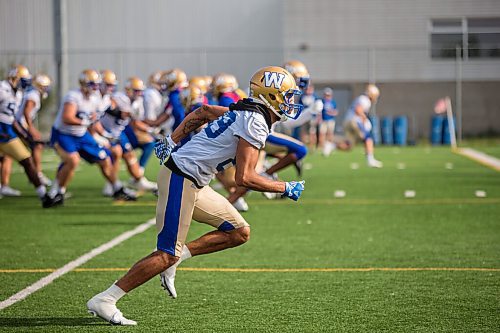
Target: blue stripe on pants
{"type": "Point", "coordinates": [167, 238]}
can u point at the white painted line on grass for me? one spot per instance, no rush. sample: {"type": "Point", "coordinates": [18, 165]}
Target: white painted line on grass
{"type": "Point", "coordinates": [74, 264]}
{"type": "Point", "coordinates": [480, 157]}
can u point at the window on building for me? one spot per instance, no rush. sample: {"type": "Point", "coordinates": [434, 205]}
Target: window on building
{"type": "Point", "coordinates": [472, 37]}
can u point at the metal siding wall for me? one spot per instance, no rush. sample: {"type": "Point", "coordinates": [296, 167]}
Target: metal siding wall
{"type": "Point", "coordinates": [201, 37]}
{"type": "Point", "coordinates": [340, 34]}
{"type": "Point", "coordinates": [26, 35]}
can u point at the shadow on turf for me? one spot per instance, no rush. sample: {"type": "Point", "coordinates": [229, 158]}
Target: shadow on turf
{"type": "Point", "coordinates": [55, 321]}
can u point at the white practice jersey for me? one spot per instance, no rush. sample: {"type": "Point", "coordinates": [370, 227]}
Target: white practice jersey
{"type": "Point", "coordinates": [137, 109]}
{"type": "Point", "coordinates": [214, 148]}
{"type": "Point", "coordinates": [85, 108]}
{"type": "Point", "coordinates": [103, 103]}
{"type": "Point", "coordinates": [9, 102]}
{"type": "Point", "coordinates": [153, 103]}
{"type": "Point", "coordinates": [361, 100]}
{"type": "Point", "coordinates": [30, 95]}
{"type": "Point", "coordinates": [112, 124]}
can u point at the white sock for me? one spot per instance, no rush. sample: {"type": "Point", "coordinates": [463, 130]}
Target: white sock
{"type": "Point", "coordinates": [117, 185]}
{"type": "Point", "coordinates": [370, 157]}
{"type": "Point", "coordinates": [62, 189]}
{"type": "Point", "coordinates": [41, 191]}
{"type": "Point", "coordinates": [114, 293]}
{"type": "Point", "coordinates": [186, 254]}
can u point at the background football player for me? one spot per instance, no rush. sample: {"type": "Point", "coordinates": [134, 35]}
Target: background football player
{"type": "Point", "coordinates": [10, 144]}
{"type": "Point", "coordinates": [113, 123]}
{"type": "Point", "coordinates": [357, 125]}
{"type": "Point", "coordinates": [26, 115]}
{"type": "Point", "coordinates": [72, 141]}
{"type": "Point", "coordinates": [327, 123]}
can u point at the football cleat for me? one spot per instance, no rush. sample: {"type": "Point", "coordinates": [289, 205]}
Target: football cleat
{"type": "Point", "coordinates": [49, 202]}
{"type": "Point", "coordinates": [124, 194]}
{"type": "Point", "coordinates": [8, 191]}
{"type": "Point", "coordinates": [144, 184]}
{"type": "Point", "coordinates": [106, 309]}
{"type": "Point", "coordinates": [167, 280]}
{"type": "Point", "coordinates": [373, 163]}
{"type": "Point", "coordinates": [107, 190]}
{"type": "Point", "coordinates": [241, 205]}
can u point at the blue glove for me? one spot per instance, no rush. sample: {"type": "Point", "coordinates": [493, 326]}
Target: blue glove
{"type": "Point", "coordinates": [293, 190]}
{"type": "Point", "coordinates": [163, 149]}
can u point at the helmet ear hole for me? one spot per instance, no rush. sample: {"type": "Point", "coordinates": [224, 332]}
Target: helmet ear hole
{"type": "Point", "coordinates": [272, 97]}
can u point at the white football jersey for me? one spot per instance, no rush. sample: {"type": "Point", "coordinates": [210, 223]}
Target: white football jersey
{"type": "Point", "coordinates": [361, 100]}
{"type": "Point", "coordinates": [114, 125]}
{"type": "Point", "coordinates": [214, 148]}
{"type": "Point", "coordinates": [9, 102]}
{"type": "Point", "coordinates": [153, 103]}
{"type": "Point", "coordinates": [137, 109]}
{"type": "Point", "coordinates": [30, 95]}
{"type": "Point", "coordinates": [103, 103]}
{"type": "Point", "coordinates": [85, 108]}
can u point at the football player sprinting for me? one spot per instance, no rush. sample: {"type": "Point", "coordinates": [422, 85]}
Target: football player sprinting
{"type": "Point", "coordinates": [114, 120]}
{"type": "Point", "coordinates": [72, 141]}
{"type": "Point", "coordinates": [357, 125]}
{"type": "Point", "coordinates": [10, 144]}
{"type": "Point", "coordinates": [234, 136]}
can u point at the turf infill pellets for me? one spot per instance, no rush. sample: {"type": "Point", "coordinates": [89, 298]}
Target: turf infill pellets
{"type": "Point", "coordinates": [480, 194]}
{"type": "Point", "coordinates": [410, 194]}
{"type": "Point", "coordinates": [339, 194]}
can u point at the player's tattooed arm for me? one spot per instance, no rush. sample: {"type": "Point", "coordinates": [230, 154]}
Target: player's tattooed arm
{"type": "Point", "coordinates": [197, 118]}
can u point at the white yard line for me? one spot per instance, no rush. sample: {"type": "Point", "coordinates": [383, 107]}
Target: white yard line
{"type": "Point", "coordinates": [480, 157]}
{"type": "Point", "coordinates": [74, 264]}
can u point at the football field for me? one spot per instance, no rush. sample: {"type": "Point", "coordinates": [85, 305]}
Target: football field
{"type": "Point", "coordinates": [371, 261]}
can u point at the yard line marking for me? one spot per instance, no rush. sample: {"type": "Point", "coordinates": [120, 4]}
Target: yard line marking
{"type": "Point", "coordinates": [395, 202]}
{"type": "Point", "coordinates": [480, 157]}
{"type": "Point", "coordinates": [74, 264]}
{"type": "Point", "coordinates": [273, 270]}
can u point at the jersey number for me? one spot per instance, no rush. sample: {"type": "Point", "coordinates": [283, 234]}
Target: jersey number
{"type": "Point", "coordinates": [216, 128]}
{"type": "Point", "coordinates": [10, 107]}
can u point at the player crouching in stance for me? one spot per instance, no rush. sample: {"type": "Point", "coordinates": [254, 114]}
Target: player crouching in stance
{"type": "Point", "coordinates": [111, 126]}
{"type": "Point", "coordinates": [357, 125]}
{"type": "Point", "coordinates": [234, 136]}
{"type": "Point", "coordinates": [72, 141]}
{"type": "Point", "coordinates": [10, 144]}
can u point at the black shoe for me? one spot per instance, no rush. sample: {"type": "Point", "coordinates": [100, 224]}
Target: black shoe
{"type": "Point", "coordinates": [124, 195]}
{"type": "Point", "coordinates": [48, 201]}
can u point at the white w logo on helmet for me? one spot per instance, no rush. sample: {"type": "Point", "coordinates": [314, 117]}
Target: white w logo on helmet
{"type": "Point", "coordinates": [273, 78]}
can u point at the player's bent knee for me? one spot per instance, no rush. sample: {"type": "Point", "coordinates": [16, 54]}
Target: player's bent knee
{"type": "Point", "coordinates": [240, 236]}
{"type": "Point", "coordinates": [72, 160]}
{"type": "Point", "coordinates": [166, 259]}
{"type": "Point", "coordinates": [301, 152]}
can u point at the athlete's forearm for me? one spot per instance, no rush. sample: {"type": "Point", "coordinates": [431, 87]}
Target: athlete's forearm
{"type": "Point", "coordinates": [256, 182]}
{"type": "Point", "coordinates": [197, 118]}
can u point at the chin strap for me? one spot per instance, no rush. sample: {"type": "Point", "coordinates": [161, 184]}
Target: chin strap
{"type": "Point", "coordinates": [281, 116]}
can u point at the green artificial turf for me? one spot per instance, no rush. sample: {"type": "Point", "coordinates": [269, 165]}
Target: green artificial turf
{"type": "Point", "coordinates": [444, 226]}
